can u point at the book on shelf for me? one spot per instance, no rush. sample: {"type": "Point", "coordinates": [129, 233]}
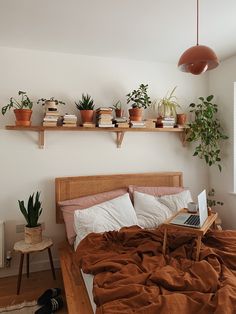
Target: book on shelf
{"type": "Point", "coordinates": [150, 124]}
{"type": "Point", "coordinates": [104, 109]}
{"type": "Point", "coordinates": [52, 113]}
{"type": "Point", "coordinates": [49, 123]}
{"type": "Point", "coordinates": [104, 120]}
{"type": "Point", "coordinates": [168, 126]}
{"type": "Point", "coordinates": [69, 125]}
{"type": "Point", "coordinates": [168, 118]}
{"type": "Point", "coordinates": [120, 120]}
{"type": "Point", "coordinates": [137, 123]}
{"type": "Point", "coordinates": [89, 125]}
{"type": "Point", "coordinates": [122, 125]}
{"type": "Point", "coordinates": [70, 121]}
{"type": "Point", "coordinates": [46, 119]}
{"type": "Point", "coordinates": [104, 116]}
{"type": "Point", "coordinates": [138, 126]}
{"type": "Point", "coordinates": [106, 125]}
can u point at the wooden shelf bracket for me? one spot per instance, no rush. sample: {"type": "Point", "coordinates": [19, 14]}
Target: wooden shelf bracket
{"type": "Point", "coordinates": [41, 139]}
{"type": "Point", "coordinates": [183, 137]}
{"type": "Point", "coordinates": [119, 138]}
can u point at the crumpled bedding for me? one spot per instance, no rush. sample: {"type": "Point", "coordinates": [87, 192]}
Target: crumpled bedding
{"type": "Point", "coordinates": [131, 275]}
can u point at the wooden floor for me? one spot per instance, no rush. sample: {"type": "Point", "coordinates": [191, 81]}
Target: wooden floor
{"type": "Point", "coordinates": [31, 288]}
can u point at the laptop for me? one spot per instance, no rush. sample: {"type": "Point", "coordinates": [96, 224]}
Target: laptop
{"type": "Point", "coordinates": [190, 220]}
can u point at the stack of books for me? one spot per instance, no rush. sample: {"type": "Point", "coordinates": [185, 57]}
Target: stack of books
{"type": "Point", "coordinates": [51, 118]}
{"type": "Point", "coordinates": [168, 122]}
{"type": "Point", "coordinates": [104, 117]}
{"type": "Point", "coordinates": [150, 123]}
{"type": "Point", "coordinates": [137, 124]}
{"type": "Point", "coordinates": [121, 122]}
{"type": "Point", "coordinates": [69, 120]}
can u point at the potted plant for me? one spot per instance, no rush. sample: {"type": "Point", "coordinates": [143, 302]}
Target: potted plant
{"type": "Point", "coordinates": [86, 107]}
{"type": "Point", "coordinates": [118, 109]}
{"type": "Point", "coordinates": [211, 202]}
{"type": "Point", "coordinates": [206, 130]}
{"type": "Point", "coordinates": [167, 106]}
{"type": "Point", "coordinates": [139, 100]}
{"type": "Point", "coordinates": [22, 109]}
{"type": "Point", "coordinates": [50, 104]}
{"type": "Point", "coordinates": [33, 230]}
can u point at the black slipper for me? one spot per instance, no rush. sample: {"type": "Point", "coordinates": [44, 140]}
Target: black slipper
{"type": "Point", "coordinates": [51, 306]}
{"type": "Point", "coordinates": [48, 294]}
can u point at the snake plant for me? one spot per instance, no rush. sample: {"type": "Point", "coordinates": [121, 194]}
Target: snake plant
{"type": "Point", "coordinates": [32, 211]}
{"type": "Point", "coordinates": [86, 103]}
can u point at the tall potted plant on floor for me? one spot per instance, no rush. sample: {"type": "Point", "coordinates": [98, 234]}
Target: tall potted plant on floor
{"type": "Point", "coordinates": [86, 108]}
{"type": "Point", "coordinates": [139, 100]}
{"type": "Point", "coordinates": [22, 109]}
{"type": "Point", "coordinates": [31, 212]}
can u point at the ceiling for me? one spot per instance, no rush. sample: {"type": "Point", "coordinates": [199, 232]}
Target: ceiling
{"type": "Point", "coordinates": [153, 30]}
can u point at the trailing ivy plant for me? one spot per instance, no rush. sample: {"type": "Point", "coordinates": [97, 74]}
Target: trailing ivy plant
{"type": "Point", "coordinates": [206, 131]}
{"type": "Point", "coordinates": [211, 202]}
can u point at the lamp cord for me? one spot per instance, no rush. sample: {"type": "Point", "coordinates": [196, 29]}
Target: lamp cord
{"type": "Point", "coordinates": [197, 21]}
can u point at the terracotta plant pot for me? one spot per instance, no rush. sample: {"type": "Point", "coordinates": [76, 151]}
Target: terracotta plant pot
{"type": "Point", "coordinates": [87, 115]}
{"type": "Point", "coordinates": [181, 118]}
{"type": "Point", "coordinates": [33, 235]}
{"type": "Point", "coordinates": [119, 113]}
{"type": "Point", "coordinates": [23, 116]}
{"type": "Point", "coordinates": [50, 105]}
{"type": "Point", "coordinates": [135, 114]}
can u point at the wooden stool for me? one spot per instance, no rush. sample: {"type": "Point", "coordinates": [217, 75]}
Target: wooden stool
{"type": "Point", "coordinates": [25, 248]}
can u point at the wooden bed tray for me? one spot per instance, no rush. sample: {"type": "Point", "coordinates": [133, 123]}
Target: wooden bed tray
{"type": "Point", "coordinates": [72, 187]}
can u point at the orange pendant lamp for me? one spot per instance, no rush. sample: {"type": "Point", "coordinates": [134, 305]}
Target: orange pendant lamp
{"type": "Point", "coordinates": [198, 59]}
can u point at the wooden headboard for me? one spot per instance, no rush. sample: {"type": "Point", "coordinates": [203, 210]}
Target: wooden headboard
{"type": "Point", "coordinates": [73, 187]}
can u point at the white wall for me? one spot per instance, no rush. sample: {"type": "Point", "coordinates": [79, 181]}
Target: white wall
{"type": "Point", "coordinates": [25, 168]}
{"type": "Point", "coordinates": [221, 84]}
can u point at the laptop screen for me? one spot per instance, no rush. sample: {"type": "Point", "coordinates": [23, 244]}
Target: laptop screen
{"type": "Point", "coordinates": [202, 205]}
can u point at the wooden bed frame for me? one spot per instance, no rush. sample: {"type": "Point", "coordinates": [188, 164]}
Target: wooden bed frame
{"type": "Point", "coordinates": [72, 187]}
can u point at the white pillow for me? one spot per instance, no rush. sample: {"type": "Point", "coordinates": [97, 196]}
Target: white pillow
{"type": "Point", "coordinates": [150, 212]}
{"type": "Point", "coordinates": [176, 201]}
{"type": "Point", "coordinates": [107, 216]}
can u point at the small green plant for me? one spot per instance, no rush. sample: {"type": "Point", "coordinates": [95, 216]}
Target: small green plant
{"type": "Point", "coordinates": [23, 103]}
{"type": "Point", "coordinates": [211, 202]}
{"type": "Point", "coordinates": [118, 105]}
{"type": "Point", "coordinates": [139, 98]}
{"type": "Point", "coordinates": [206, 131]}
{"type": "Point", "coordinates": [86, 103]}
{"type": "Point", "coordinates": [167, 106]}
{"type": "Point", "coordinates": [33, 210]}
{"type": "Point", "coordinates": [43, 100]}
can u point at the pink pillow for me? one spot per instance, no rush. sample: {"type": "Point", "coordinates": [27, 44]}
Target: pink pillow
{"type": "Point", "coordinates": [155, 190]}
{"type": "Point", "coordinates": [69, 206]}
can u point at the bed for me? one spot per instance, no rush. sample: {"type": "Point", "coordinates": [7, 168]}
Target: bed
{"type": "Point", "coordinates": [78, 300]}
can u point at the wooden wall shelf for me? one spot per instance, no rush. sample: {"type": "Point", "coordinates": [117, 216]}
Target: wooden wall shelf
{"type": "Point", "coordinates": [119, 131]}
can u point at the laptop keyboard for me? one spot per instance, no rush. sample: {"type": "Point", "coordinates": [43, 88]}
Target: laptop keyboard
{"type": "Point", "coordinates": [193, 220]}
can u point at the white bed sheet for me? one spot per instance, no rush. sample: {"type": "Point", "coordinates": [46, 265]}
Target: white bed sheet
{"type": "Point", "coordinates": [88, 280]}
